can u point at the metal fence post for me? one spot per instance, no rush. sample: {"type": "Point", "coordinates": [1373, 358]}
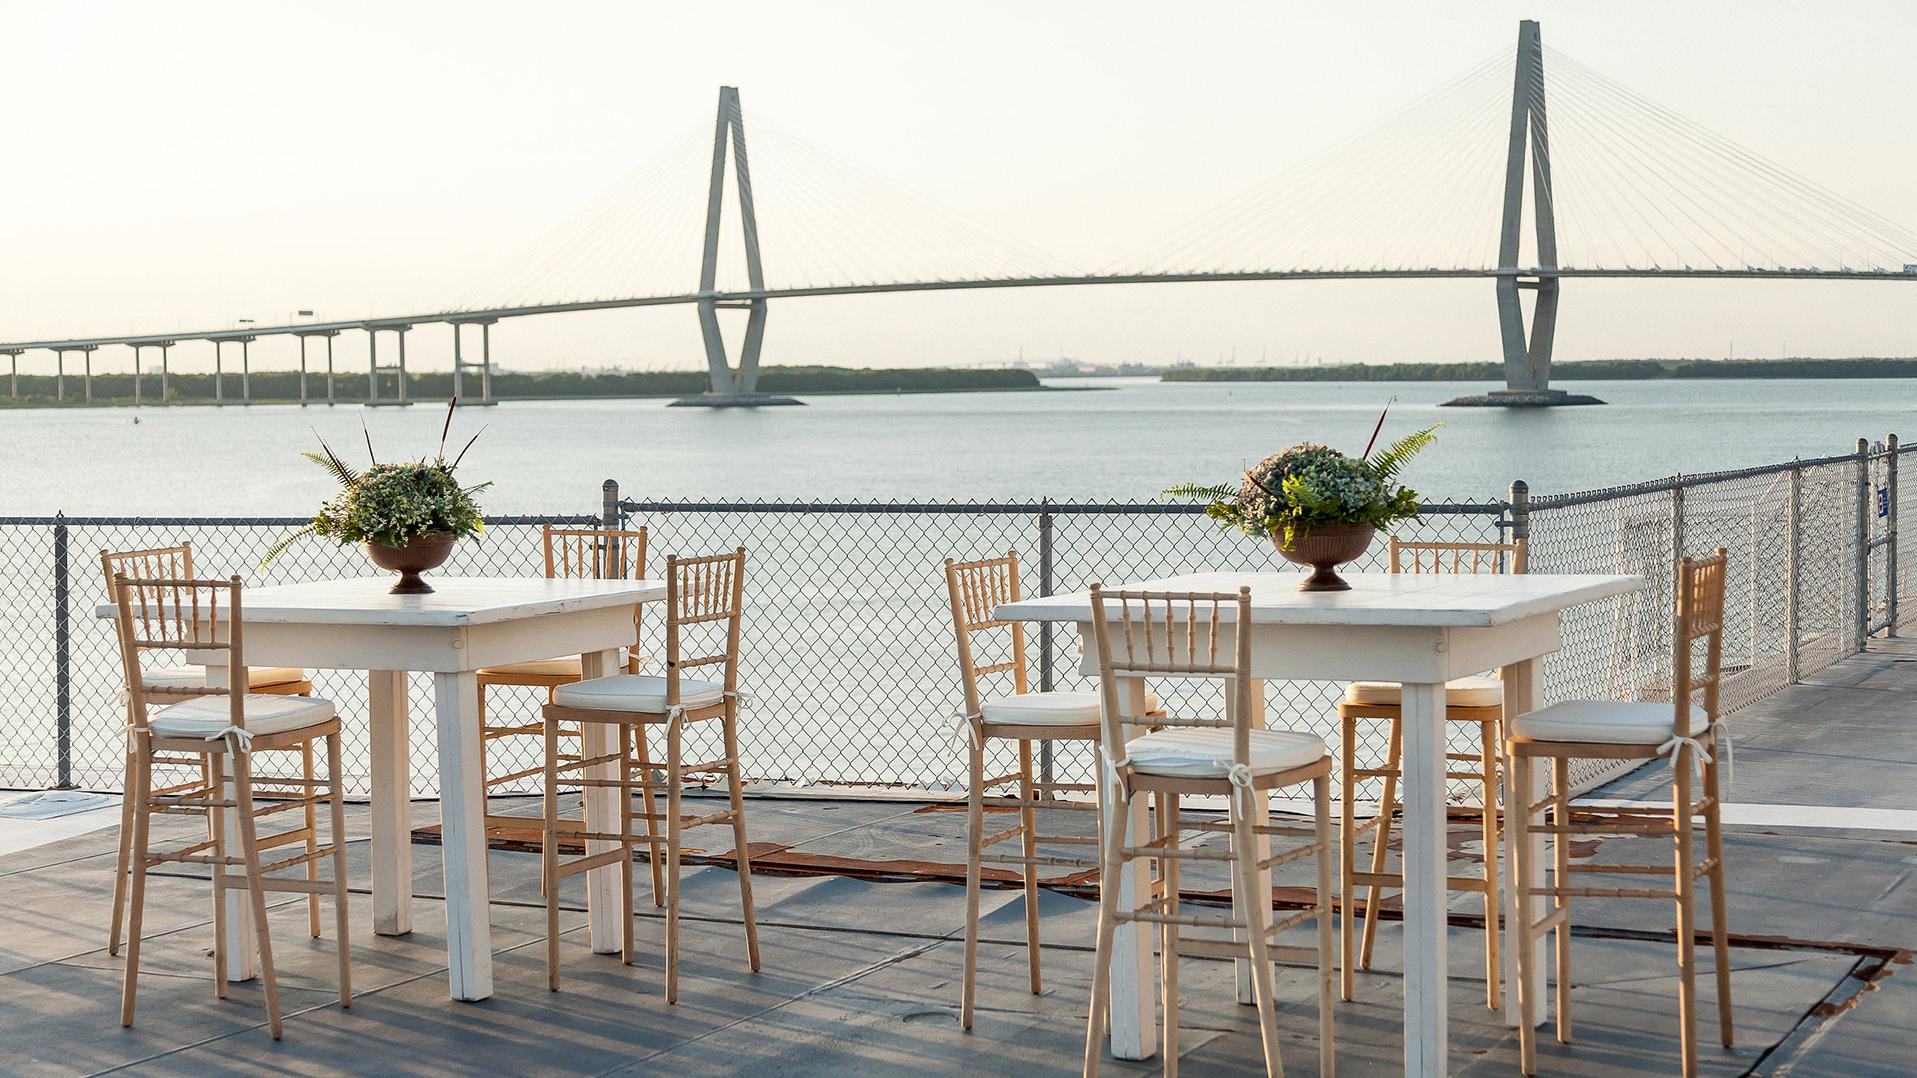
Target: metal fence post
{"type": "Point", "coordinates": [609, 503]}
{"type": "Point", "coordinates": [1890, 534]}
{"type": "Point", "coordinates": [1520, 511]}
{"type": "Point", "coordinates": [613, 556]}
{"type": "Point", "coordinates": [1793, 573]}
{"type": "Point", "coordinates": [62, 657]}
{"type": "Point", "coordinates": [1045, 627]}
{"type": "Point", "coordinates": [1862, 570]}
{"type": "Point", "coordinates": [1677, 533]}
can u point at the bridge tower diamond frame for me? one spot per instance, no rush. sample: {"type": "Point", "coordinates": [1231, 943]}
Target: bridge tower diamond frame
{"type": "Point", "coordinates": [1527, 360]}
{"type": "Point", "coordinates": [728, 387]}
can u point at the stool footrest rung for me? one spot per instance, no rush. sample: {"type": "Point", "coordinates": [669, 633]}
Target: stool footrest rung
{"type": "Point", "coordinates": [1019, 859]}
{"type": "Point", "coordinates": [995, 839]}
{"type": "Point", "coordinates": [1185, 920]}
{"type": "Point", "coordinates": [1289, 856]}
{"type": "Point", "coordinates": [1396, 879]}
{"type": "Point", "coordinates": [1292, 921]}
{"type": "Point", "coordinates": [589, 862]}
{"type": "Point", "coordinates": [1599, 892]}
{"type": "Point", "coordinates": [296, 859]}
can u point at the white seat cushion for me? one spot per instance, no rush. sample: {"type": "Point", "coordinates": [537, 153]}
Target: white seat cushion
{"type": "Point", "coordinates": [194, 677]}
{"type": "Point", "coordinates": [1188, 753]}
{"type": "Point", "coordinates": [1464, 692]}
{"type": "Point", "coordinates": [1611, 722]}
{"type": "Point", "coordinates": [208, 715]}
{"type": "Point", "coordinates": [635, 692]}
{"type": "Point", "coordinates": [566, 666]}
{"type": "Point", "coordinates": [1043, 709]}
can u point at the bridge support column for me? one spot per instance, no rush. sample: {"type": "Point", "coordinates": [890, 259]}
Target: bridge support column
{"type": "Point", "coordinates": [219, 374]}
{"type": "Point", "coordinates": [1527, 361]}
{"type": "Point", "coordinates": [13, 371]}
{"type": "Point", "coordinates": [136, 376]}
{"type": "Point", "coordinates": [375, 370]}
{"type": "Point", "coordinates": [87, 370]}
{"type": "Point", "coordinates": [329, 334]}
{"type": "Point", "coordinates": [727, 387]}
{"type": "Point", "coordinates": [482, 370]}
{"type": "Point", "coordinates": [246, 370]}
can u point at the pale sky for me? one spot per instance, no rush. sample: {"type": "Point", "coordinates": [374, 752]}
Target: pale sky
{"type": "Point", "coordinates": [184, 166]}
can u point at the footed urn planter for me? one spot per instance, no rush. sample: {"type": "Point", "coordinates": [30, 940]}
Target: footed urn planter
{"type": "Point", "coordinates": [409, 561]}
{"type": "Point", "coordinates": [1324, 550]}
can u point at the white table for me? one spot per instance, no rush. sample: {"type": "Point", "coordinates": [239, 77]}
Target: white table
{"type": "Point", "coordinates": [1420, 630]}
{"type": "Point", "coordinates": [465, 624]}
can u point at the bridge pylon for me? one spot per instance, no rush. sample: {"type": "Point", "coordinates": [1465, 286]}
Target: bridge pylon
{"type": "Point", "coordinates": [1527, 359]}
{"type": "Point", "coordinates": [728, 387]}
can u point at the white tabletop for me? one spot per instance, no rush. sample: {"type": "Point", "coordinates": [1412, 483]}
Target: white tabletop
{"type": "Point", "coordinates": [455, 601]}
{"type": "Point", "coordinates": [1436, 600]}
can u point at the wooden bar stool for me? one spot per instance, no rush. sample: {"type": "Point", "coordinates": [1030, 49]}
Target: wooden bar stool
{"type": "Point", "coordinates": [224, 729]}
{"type": "Point", "coordinates": [1158, 634]}
{"type": "Point", "coordinates": [570, 554]}
{"type": "Point", "coordinates": [1477, 700]}
{"type": "Point", "coordinates": [1685, 732]}
{"type": "Point", "coordinates": [704, 600]}
{"type": "Point", "coordinates": [183, 682]}
{"type": "Point", "coordinates": [975, 589]}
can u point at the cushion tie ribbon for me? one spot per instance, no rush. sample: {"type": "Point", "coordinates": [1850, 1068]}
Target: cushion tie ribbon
{"type": "Point", "coordinates": [1114, 772]}
{"type": "Point", "coordinates": [966, 725]}
{"type": "Point", "coordinates": [1699, 755]}
{"type": "Point", "coordinates": [238, 736]}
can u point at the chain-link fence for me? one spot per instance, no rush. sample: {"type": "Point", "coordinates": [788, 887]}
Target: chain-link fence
{"type": "Point", "coordinates": [849, 637]}
{"type": "Point", "coordinates": [61, 718]}
{"type": "Point", "coordinates": [848, 649]}
{"type": "Point", "coordinates": [1810, 576]}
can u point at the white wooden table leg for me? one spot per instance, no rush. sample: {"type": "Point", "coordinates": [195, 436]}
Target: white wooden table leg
{"type": "Point", "coordinates": [392, 802]}
{"type": "Point", "coordinates": [1260, 816]}
{"type": "Point", "coordinates": [1523, 691]}
{"type": "Point", "coordinates": [1134, 1008]}
{"type": "Point", "coordinates": [1426, 1042]}
{"type": "Point", "coordinates": [242, 943]}
{"type": "Point", "coordinates": [462, 820]}
{"type": "Point", "coordinates": [602, 814]}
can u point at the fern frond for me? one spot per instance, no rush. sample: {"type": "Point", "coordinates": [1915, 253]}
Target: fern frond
{"type": "Point", "coordinates": [1200, 492]}
{"type": "Point", "coordinates": [282, 546]}
{"type": "Point", "coordinates": [330, 461]}
{"type": "Point", "coordinates": [1391, 460]}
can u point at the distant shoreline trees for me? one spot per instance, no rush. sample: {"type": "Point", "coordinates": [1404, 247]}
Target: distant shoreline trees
{"type": "Point", "coordinates": [1570, 371]}
{"type": "Point", "coordinates": [282, 387]}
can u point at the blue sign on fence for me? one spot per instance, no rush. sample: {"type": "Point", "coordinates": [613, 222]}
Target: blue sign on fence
{"type": "Point", "coordinates": [1883, 501]}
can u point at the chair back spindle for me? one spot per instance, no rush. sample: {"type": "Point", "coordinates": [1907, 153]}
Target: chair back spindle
{"type": "Point", "coordinates": [152, 563]}
{"type": "Point", "coordinates": [594, 553]}
{"type": "Point", "coordinates": [183, 615]}
{"type": "Point", "coordinates": [976, 589]}
{"type": "Point", "coordinates": [1473, 558]}
{"type": "Point", "coordinates": [1700, 620]}
{"type": "Point", "coordinates": [1174, 634]}
{"type": "Point", "coordinates": [703, 591]}
{"type": "Point", "coordinates": [599, 554]}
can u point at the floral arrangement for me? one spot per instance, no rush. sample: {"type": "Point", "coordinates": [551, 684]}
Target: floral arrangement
{"type": "Point", "coordinates": [393, 504]}
{"type": "Point", "coordinates": [1291, 493]}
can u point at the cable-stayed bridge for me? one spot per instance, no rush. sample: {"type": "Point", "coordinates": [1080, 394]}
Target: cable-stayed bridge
{"type": "Point", "coordinates": [1486, 177]}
